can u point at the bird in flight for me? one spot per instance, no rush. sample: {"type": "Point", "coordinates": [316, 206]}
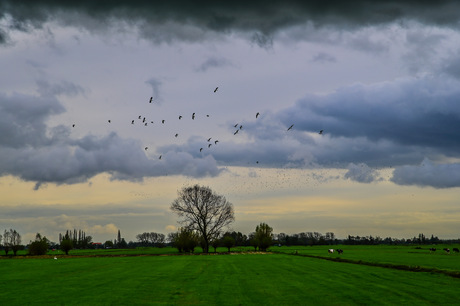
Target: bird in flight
{"type": "Point", "coordinates": [176, 135]}
{"type": "Point", "coordinates": [140, 117]}
{"type": "Point", "coordinates": [73, 125]}
{"type": "Point", "coordinates": [290, 127]}
{"type": "Point", "coordinates": [132, 121]}
{"type": "Point", "coordinates": [143, 120]}
{"type": "Point", "coordinates": [209, 145]}
{"type": "Point", "coordinates": [201, 149]}
{"type": "Point", "coordinates": [215, 142]}
{"type": "Point", "coordinates": [236, 132]}
{"type": "Point", "coordinates": [235, 125]}
{"type": "Point", "coordinates": [216, 89]}
{"type": "Point", "coordinates": [163, 121]}
{"type": "Point", "coordinates": [257, 115]}
{"type": "Point", "coordinates": [241, 127]}
{"type": "Point", "coordinates": [193, 116]}
{"type": "Point", "coordinates": [321, 132]}
{"type": "Point", "coordinates": [159, 157]}
{"type": "Point", "coordinates": [180, 117]}
{"type": "Point", "coordinates": [146, 148]}
{"type": "Point", "coordinates": [150, 99]}
{"type": "Point", "coordinates": [109, 121]}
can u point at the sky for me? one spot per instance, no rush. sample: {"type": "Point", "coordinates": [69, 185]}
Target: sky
{"type": "Point", "coordinates": [380, 79]}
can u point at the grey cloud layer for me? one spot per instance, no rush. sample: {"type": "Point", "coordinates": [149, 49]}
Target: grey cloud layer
{"type": "Point", "coordinates": [428, 174]}
{"type": "Point", "coordinates": [415, 111]}
{"type": "Point", "coordinates": [390, 124]}
{"type": "Point", "coordinates": [34, 152]}
{"type": "Point", "coordinates": [259, 17]}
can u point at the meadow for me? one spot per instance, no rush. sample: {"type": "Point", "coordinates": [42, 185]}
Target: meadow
{"type": "Point", "coordinates": [156, 276]}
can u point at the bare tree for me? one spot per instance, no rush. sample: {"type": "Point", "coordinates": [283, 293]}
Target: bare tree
{"type": "Point", "coordinates": [12, 241]}
{"type": "Point", "coordinates": [204, 211]}
{"type": "Point", "coordinates": [6, 242]}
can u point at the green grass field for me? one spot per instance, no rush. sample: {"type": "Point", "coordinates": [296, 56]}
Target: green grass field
{"type": "Point", "coordinates": [238, 279]}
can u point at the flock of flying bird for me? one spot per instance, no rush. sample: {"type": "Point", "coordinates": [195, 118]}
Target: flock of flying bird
{"type": "Point", "coordinates": [238, 128]}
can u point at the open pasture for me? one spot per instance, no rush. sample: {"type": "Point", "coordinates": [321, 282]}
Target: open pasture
{"type": "Point", "coordinates": [240, 279]}
{"type": "Point", "coordinates": [410, 256]}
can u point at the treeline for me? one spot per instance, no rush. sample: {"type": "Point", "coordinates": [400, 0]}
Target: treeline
{"type": "Point", "coordinates": [306, 238]}
{"type": "Point", "coordinates": [420, 239]}
{"type": "Point", "coordinates": [186, 240]}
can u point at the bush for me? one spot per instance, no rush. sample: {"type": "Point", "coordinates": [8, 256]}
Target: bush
{"type": "Point", "coordinates": [40, 246]}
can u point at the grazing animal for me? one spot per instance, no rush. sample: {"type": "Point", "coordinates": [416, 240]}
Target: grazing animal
{"type": "Point", "coordinates": [55, 257]}
{"type": "Point", "coordinates": [340, 251]}
{"type": "Point", "coordinates": [447, 250]}
{"type": "Point", "coordinates": [290, 127]}
{"type": "Point", "coordinates": [432, 249]}
{"type": "Point", "coordinates": [216, 89]}
{"type": "Point", "coordinates": [321, 132]}
{"type": "Point", "coordinates": [257, 115]}
{"type": "Point", "coordinates": [455, 250]}
{"type": "Point", "coordinates": [330, 251]}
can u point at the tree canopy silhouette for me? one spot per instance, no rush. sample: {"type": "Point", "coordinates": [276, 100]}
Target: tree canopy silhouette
{"type": "Point", "coordinates": [202, 210]}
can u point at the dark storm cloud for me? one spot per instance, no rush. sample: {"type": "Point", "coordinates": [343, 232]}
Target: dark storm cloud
{"type": "Point", "coordinates": [428, 174]}
{"type": "Point", "coordinates": [261, 18]}
{"type": "Point", "coordinates": [390, 124]}
{"type": "Point", "coordinates": [409, 112]}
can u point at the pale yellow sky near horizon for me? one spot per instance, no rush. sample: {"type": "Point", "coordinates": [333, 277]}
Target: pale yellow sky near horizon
{"type": "Point", "coordinates": [289, 200]}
